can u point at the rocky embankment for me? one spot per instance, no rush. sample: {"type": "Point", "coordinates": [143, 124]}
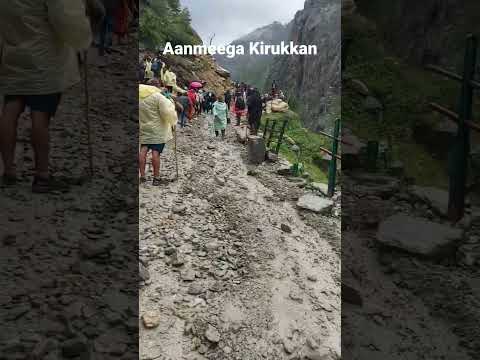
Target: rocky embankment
{"type": "Point", "coordinates": [232, 268]}
{"type": "Point", "coordinates": [411, 275]}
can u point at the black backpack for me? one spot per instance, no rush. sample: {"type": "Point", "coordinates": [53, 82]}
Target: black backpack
{"type": "Point", "coordinates": [240, 103]}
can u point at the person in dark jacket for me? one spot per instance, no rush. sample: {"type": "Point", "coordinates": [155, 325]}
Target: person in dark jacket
{"type": "Point", "coordinates": [255, 107]}
{"type": "Point", "coordinates": [185, 102]}
{"type": "Point", "coordinates": [228, 98]}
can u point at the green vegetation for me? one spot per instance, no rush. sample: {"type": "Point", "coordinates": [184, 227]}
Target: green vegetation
{"type": "Point", "coordinates": [405, 91]}
{"type": "Point", "coordinates": [165, 20]}
{"type": "Point", "coordinates": [308, 141]}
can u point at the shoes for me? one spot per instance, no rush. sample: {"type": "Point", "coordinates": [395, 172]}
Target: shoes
{"type": "Point", "coordinates": [142, 180]}
{"type": "Point", "coordinates": [157, 182]}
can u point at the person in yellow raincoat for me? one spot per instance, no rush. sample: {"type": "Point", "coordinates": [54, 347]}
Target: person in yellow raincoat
{"type": "Point", "coordinates": [158, 119]}
{"type": "Point", "coordinates": [39, 41]}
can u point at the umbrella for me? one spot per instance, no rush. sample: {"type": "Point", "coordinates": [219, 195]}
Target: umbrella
{"type": "Point", "coordinates": [196, 85]}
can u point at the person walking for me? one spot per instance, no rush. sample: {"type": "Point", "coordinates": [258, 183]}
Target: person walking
{"type": "Point", "coordinates": [157, 118]}
{"type": "Point", "coordinates": [255, 108]}
{"type": "Point", "coordinates": [239, 107]}
{"type": "Point", "coordinates": [228, 98]}
{"type": "Point", "coordinates": [39, 41]}
{"type": "Point", "coordinates": [121, 16]}
{"type": "Point", "coordinates": [106, 29]}
{"type": "Point", "coordinates": [185, 102]}
{"type": "Point", "coordinates": [220, 113]}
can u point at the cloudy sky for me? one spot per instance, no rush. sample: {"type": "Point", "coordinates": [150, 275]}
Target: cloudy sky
{"type": "Point", "coordinates": [230, 19]}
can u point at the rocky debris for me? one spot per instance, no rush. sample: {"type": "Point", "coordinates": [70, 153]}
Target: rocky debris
{"type": "Point", "coordinates": [436, 198]}
{"type": "Point", "coordinates": [320, 187]}
{"type": "Point", "coordinates": [239, 262]}
{"type": "Point", "coordinates": [419, 236]}
{"type": "Point", "coordinates": [315, 203]}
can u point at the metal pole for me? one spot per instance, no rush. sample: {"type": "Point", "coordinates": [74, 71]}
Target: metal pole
{"type": "Point", "coordinates": [461, 148]}
{"type": "Point", "coordinates": [332, 170]}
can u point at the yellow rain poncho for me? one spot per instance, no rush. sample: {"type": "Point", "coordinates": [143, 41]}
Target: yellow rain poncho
{"type": "Point", "coordinates": [39, 41]}
{"type": "Point", "coordinates": [157, 116]}
{"type": "Point", "coordinates": [169, 78]}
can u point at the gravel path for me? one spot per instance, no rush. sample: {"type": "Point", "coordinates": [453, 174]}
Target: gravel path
{"type": "Point", "coordinates": [235, 271]}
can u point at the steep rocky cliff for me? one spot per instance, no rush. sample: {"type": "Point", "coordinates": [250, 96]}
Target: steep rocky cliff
{"type": "Point", "coordinates": [313, 82]}
{"type": "Point", "coordinates": [253, 69]}
{"type": "Point", "coordinates": [424, 31]}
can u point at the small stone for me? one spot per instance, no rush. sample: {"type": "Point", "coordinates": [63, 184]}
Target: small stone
{"type": "Point", "coordinates": [312, 277]}
{"type": "Point", "coordinates": [286, 228]}
{"type": "Point", "coordinates": [179, 209]}
{"type": "Point", "coordinates": [195, 289]}
{"type": "Point", "coordinates": [188, 275]}
{"type": "Point", "coordinates": [212, 334]}
{"type": "Point", "coordinates": [151, 319]}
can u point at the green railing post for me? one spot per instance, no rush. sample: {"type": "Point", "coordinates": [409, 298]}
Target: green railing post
{"type": "Point", "coordinates": [280, 138]}
{"type": "Point", "coordinates": [332, 169]}
{"type": "Point", "coordinates": [266, 129]}
{"type": "Point", "coordinates": [461, 148]}
{"type": "Point", "coordinates": [271, 133]}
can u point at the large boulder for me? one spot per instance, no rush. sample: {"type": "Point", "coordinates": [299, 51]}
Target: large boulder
{"type": "Point", "coordinates": [315, 203]}
{"type": "Point", "coordinates": [419, 236]}
{"type": "Point", "coordinates": [436, 198]}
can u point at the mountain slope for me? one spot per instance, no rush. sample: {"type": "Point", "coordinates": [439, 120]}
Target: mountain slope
{"type": "Point", "coordinates": [253, 68]}
{"type": "Point", "coordinates": [313, 82]}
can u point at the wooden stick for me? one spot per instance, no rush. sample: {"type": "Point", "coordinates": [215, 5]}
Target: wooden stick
{"type": "Point", "coordinates": [338, 139]}
{"type": "Point", "coordinates": [454, 116]}
{"type": "Point", "coordinates": [330, 153]}
{"type": "Point", "coordinates": [87, 112]}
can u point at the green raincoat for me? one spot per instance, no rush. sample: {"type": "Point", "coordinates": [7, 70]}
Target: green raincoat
{"type": "Point", "coordinates": [220, 112]}
{"type": "Point", "coordinates": [157, 116]}
{"type": "Point", "coordinates": [39, 41]}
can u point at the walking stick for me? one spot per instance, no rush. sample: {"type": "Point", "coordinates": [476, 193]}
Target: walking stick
{"type": "Point", "coordinates": [87, 112]}
{"type": "Point", "coordinates": [175, 150]}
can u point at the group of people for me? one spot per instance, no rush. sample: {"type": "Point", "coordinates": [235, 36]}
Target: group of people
{"type": "Point", "coordinates": [115, 24]}
{"type": "Point", "coordinates": [164, 105]}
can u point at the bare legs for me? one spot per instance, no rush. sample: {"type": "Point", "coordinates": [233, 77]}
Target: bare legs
{"type": "Point", "coordinates": [40, 142]}
{"type": "Point", "coordinates": [8, 134]}
{"type": "Point", "coordinates": [8, 138]}
{"type": "Point", "coordinates": [142, 162]}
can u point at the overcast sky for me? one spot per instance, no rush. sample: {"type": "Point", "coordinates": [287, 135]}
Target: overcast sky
{"type": "Point", "coordinates": [230, 19]}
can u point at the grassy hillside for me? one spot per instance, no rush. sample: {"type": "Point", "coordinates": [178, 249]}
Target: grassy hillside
{"type": "Point", "coordinates": [165, 20]}
{"type": "Point", "coordinates": [308, 141]}
{"type": "Point", "coordinates": [406, 91]}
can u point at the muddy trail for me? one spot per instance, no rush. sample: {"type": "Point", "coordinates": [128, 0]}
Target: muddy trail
{"type": "Point", "coordinates": [68, 269]}
{"type": "Point", "coordinates": [231, 268]}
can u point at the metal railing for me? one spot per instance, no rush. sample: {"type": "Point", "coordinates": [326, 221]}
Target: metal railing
{"type": "Point", "coordinates": [458, 161]}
